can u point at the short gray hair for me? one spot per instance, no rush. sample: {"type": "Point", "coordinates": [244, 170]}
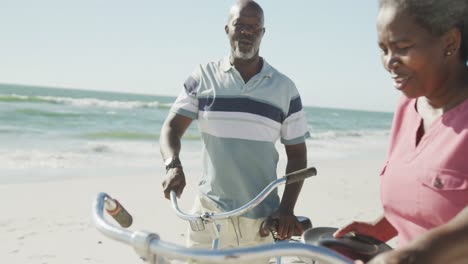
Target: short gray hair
{"type": "Point", "coordinates": [242, 3]}
{"type": "Point", "coordinates": [437, 16]}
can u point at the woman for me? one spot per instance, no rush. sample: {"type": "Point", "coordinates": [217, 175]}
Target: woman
{"type": "Point", "coordinates": [424, 183]}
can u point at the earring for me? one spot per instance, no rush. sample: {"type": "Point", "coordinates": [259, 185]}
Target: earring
{"type": "Point", "coordinates": [448, 53]}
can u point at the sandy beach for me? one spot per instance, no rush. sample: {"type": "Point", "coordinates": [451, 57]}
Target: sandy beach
{"type": "Point", "coordinates": [50, 222]}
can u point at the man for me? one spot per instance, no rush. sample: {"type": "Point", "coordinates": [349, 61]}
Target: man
{"type": "Point", "coordinates": [243, 105]}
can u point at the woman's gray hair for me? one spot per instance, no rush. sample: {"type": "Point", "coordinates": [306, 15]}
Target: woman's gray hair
{"type": "Point", "coordinates": [437, 16]}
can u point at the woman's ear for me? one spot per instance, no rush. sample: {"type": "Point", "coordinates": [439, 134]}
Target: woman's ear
{"type": "Point", "coordinates": [452, 41]}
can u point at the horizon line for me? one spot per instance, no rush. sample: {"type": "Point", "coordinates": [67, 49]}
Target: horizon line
{"type": "Point", "coordinates": [166, 95]}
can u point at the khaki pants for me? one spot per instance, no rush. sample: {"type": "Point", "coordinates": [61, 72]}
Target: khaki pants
{"type": "Point", "coordinates": [234, 232]}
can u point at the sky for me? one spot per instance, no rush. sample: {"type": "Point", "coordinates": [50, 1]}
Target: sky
{"type": "Point", "coordinates": [328, 48]}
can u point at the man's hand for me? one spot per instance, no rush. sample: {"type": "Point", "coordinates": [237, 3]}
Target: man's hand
{"type": "Point", "coordinates": [285, 223]}
{"type": "Point", "coordinates": [283, 219]}
{"type": "Point", "coordinates": [175, 180]}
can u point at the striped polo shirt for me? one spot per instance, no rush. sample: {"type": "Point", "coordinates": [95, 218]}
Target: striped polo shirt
{"type": "Point", "coordinates": [240, 123]}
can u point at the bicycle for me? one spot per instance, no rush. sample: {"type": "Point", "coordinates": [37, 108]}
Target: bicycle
{"type": "Point", "coordinates": [199, 221]}
{"type": "Point", "coordinates": [152, 249]}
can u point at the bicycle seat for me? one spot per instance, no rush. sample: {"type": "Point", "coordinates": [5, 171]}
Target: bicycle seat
{"type": "Point", "coordinates": [353, 246]}
{"type": "Point", "coordinates": [305, 223]}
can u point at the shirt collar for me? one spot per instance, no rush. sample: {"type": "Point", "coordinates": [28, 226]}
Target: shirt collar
{"type": "Point", "coordinates": [267, 70]}
{"type": "Point", "coordinates": [226, 64]}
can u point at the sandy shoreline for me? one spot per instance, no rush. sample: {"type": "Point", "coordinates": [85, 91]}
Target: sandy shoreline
{"type": "Point", "coordinates": [50, 222]}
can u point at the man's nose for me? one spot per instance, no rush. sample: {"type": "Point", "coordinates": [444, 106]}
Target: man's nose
{"type": "Point", "coordinates": [247, 31]}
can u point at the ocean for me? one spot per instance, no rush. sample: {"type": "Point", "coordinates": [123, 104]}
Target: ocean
{"type": "Point", "coordinates": [51, 133]}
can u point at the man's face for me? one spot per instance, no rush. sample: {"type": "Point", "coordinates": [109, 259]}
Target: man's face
{"type": "Point", "coordinates": [245, 31]}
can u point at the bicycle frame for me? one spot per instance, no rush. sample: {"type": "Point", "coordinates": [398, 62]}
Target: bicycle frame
{"type": "Point", "coordinates": [151, 248]}
{"type": "Point", "coordinates": [197, 222]}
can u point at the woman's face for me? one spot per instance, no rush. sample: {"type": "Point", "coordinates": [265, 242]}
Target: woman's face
{"type": "Point", "coordinates": [413, 56]}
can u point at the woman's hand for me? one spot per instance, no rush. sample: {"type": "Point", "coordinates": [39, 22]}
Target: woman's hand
{"type": "Point", "coordinates": [381, 229]}
{"type": "Point", "coordinates": [361, 228]}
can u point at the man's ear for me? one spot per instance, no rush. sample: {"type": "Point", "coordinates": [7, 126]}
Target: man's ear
{"type": "Point", "coordinates": [226, 29]}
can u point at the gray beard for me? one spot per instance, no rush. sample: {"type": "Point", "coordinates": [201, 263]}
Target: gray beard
{"type": "Point", "coordinates": [243, 55]}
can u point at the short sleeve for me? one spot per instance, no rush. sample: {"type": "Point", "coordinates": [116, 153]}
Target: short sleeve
{"type": "Point", "coordinates": [294, 128]}
{"type": "Point", "coordinates": [186, 103]}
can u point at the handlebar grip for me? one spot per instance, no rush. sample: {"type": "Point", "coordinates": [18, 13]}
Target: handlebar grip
{"type": "Point", "coordinates": [118, 212]}
{"type": "Point", "coordinates": [300, 175]}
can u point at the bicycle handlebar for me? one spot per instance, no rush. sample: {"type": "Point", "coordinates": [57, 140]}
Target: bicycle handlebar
{"type": "Point", "coordinates": [300, 175]}
{"type": "Point", "coordinates": [287, 179]}
{"type": "Point", "coordinates": [150, 247]}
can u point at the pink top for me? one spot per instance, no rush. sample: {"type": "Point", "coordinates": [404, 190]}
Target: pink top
{"type": "Point", "coordinates": [425, 185]}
